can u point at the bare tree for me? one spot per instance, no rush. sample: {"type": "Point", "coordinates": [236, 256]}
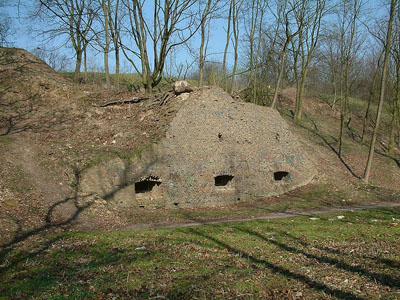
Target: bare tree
{"type": "Point", "coordinates": [111, 25]}
{"type": "Point", "coordinates": [395, 82]}
{"type": "Point", "coordinates": [285, 14]}
{"type": "Point", "coordinates": [254, 27]}
{"type": "Point", "coordinates": [103, 35]}
{"type": "Point", "coordinates": [70, 18]}
{"type": "Point", "coordinates": [330, 53]}
{"type": "Point", "coordinates": [236, 10]}
{"type": "Point", "coordinates": [115, 28]}
{"type": "Point", "coordinates": [207, 11]}
{"type": "Point", "coordinates": [371, 95]}
{"type": "Point", "coordinates": [387, 45]}
{"type": "Point", "coordinates": [308, 18]}
{"type": "Point", "coordinates": [56, 60]}
{"type": "Point", "coordinates": [228, 38]}
{"type": "Point", "coordinates": [6, 31]}
{"type": "Point", "coordinates": [269, 54]}
{"type": "Point", "coordinates": [173, 23]}
{"type": "Point", "coordinates": [349, 45]}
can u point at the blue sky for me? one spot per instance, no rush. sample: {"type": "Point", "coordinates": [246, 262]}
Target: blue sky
{"type": "Point", "coordinates": [26, 38]}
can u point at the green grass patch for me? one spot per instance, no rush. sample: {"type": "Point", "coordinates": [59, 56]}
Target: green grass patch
{"type": "Point", "coordinates": [359, 106]}
{"type": "Point", "coordinates": [352, 255]}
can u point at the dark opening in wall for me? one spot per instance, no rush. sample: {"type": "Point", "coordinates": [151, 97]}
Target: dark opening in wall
{"type": "Point", "coordinates": [223, 180]}
{"type": "Point", "coordinates": [278, 176]}
{"type": "Point", "coordinates": [146, 185]}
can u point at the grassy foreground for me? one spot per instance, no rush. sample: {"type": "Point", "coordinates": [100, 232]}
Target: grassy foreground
{"type": "Point", "coordinates": [351, 256]}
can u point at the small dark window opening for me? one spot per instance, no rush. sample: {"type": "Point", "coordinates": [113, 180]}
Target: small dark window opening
{"type": "Point", "coordinates": [223, 180]}
{"type": "Point", "coordinates": [278, 176]}
{"type": "Point", "coordinates": [146, 185]}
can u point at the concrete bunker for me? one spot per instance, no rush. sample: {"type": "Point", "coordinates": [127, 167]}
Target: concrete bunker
{"type": "Point", "coordinates": [212, 153]}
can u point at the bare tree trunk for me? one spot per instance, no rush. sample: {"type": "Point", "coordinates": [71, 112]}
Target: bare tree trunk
{"type": "Point", "coordinates": [334, 93]}
{"type": "Point", "coordinates": [347, 54]}
{"type": "Point", "coordinates": [253, 24]}
{"type": "Point", "coordinates": [392, 132]}
{"type": "Point", "coordinates": [299, 102]}
{"type": "Point", "coordinates": [235, 24]}
{"type": "Point", "coordinates": [257, 101]}
{"type": "Point", "coordinates": [116, 50]}
{"type": "Point", "coordinates": [334, 80]}
{"type": "Point", "coordinates": [114, 26]}
{"type": "Point", "coordinates": [228, 38]}
{"type": "Point", "coordinates": [371, 96]}
{"type": "Point", "coordinates": [309, 21]}
{"type": "Point", "coordinates": [107, 42]}
{"type": "Point", "coordinates": [78, 64]}
{"type": "Point", "coordinates": [278, 82]}
{"type": "Point", "coordinates": [116, 60]}
{"type": "Point", "coordinates": [365, 118]}
{"type": "Point", "coordinates": [387, 45]}
{"type": "Point", "coordinates": [342, 117]}
{"type": "Point", "coordinates": [107, 72]}
{"type": "Point", "coordinates": [85, 65]}
{"type": "Point", "coordinates": [341, 99]}
{"type": "Point", "coordinates": [395, 116]}
{"type": "Point", "coordinates": [396, 98]}
{"type": "Point", "coordinates": [115, 37]}
{"type": "Point", "coordinates": [202, 56]}
{"type": "Point", "coordinates": [288, 38]}
{"type": "Point", "coordinates": [344, 111]}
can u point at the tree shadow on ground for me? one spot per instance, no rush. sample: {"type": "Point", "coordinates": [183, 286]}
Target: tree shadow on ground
{"type": "Point", "coordinates": [20, 235]}
{"type": "Point", "coordinates": [385, 153]}
{"type": "Point", "coordinates": [358, 139]}
{"type": "Point", "coordinates": [317, 132]}
{"type": "Point", "coordinates": [22, 113]}
{"type": "Point", "coordinates": [318, 286]}
{"type": "Point", "coordinates": [383, 279]}
{"type": "Point", "coordinates": [388, 262]}
{"type": "Point", "coordinates": [80, 204]}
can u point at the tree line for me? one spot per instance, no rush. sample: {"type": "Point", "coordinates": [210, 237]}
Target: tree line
{"type": "Point", "coordinates": [344, 48]}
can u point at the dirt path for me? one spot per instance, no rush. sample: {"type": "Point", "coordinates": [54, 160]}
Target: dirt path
{"type": "Point", "coordinates": [271, 216]}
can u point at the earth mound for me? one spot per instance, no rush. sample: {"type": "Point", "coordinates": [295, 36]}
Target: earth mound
{"type": "Point", "coordinates": [29, 74]}
{"type": "Point", "coordinates": [28, 87]}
